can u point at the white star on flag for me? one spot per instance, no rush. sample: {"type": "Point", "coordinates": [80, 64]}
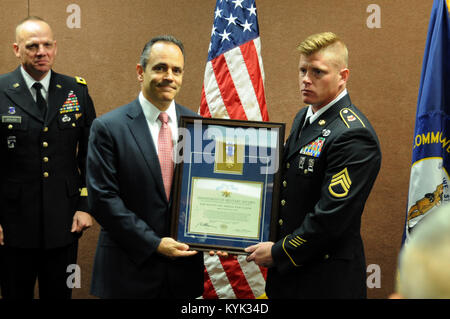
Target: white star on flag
{"type": "Point", "coordinates": [231, 19]}
{"type": "Point", "coordinates": [238, 3]}
{"type": "Point", "coordinates": [225, 35]}
{"type": "Point", "coordinates": [247, 26]}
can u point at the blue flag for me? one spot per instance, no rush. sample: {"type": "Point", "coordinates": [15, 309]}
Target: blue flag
{"type": "Point", "coordinates": [429, 179]}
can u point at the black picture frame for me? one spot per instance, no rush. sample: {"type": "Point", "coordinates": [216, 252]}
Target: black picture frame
{"type": "Point", "coordinates": [226, 183]}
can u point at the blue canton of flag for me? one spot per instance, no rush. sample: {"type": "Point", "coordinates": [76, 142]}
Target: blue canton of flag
{"type": "Point", "coordinates": [233, 86]}
{"type": "Point", "coordinates": [235, 23]}
{"type": "Point", "coordinates": [429, 180]}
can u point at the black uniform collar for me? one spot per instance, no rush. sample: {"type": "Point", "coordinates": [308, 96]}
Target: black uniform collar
{"type": "Point", "coordinates": [19, 93]}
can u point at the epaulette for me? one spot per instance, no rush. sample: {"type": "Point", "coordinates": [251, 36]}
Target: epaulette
{"type": "Point", "coordinates": [350, 118]}
{"type": "Point", "coordinates": [80, 80]}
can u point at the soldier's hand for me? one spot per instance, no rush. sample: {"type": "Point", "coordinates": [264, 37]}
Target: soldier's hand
{"type": "Point", "coordinates": [261, 254]}
{"type": "Point", "coordinates": [81, 221]}
{"type": "Point", "coordinates": [171, 248]}
{"type": "Point", "coordinates": [1, 236]}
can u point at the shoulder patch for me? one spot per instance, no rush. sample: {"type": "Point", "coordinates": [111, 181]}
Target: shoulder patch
{"type": "Point", "coordinates": [80, 80]}
{"type": "Point", "coordinates": [350, 118]}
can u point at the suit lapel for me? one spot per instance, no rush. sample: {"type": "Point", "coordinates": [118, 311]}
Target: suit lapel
{"type": "Point", "coordinates": [19, 93]}
{"type": "Point", "coordinates": [140, 131]}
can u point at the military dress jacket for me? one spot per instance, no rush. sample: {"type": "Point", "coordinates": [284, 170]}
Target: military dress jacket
{"type": "Point", "coordinates": [327, 174]}
{"type": "Point", "coordinates": [42, 160]}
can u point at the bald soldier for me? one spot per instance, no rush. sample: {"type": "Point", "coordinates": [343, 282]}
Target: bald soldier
{"type": "Point", "coordinates": [45, 122]}
{"type": "Point", "coordinates": [331, 160]}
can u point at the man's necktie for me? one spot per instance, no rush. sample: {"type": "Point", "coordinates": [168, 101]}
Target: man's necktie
{"type": "Point", "coordinates": [306, 124]}
{"type": "Point", "coordinates": [165, 154]}
{"type": "Point", "coordinates": [42, 105]}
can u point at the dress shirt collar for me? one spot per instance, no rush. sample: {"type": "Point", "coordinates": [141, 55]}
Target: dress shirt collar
{"type": "Point", "coordinates": [29, 81]}
{"type": "Point", "coordinates": [313, 116]}
{"type": "Point", "coordinates": [151, 112]}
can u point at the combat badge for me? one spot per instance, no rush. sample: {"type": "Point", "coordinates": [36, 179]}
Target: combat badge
{"type": "Point", "coordinates": [340, 184]}
{"type": "Point", "coordinates": [66, 118]}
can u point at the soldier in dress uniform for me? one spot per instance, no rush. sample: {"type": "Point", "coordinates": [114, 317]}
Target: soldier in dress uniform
{"type": "Point", "coordinates": [44, 128]}
{"type": "Point", "coordinates": [331, 160]}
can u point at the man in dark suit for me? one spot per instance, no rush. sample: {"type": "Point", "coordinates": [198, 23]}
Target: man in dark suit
{"type": "Point", "coordinates": [129, 176]}
{"type": "Point", "coordinates": [331, 161]}
{"type": "Point", "coordinates": [45, 123]}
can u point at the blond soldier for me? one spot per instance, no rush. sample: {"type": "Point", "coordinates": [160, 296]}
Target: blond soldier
{"type": "Point", "coordinates": [331, 161]}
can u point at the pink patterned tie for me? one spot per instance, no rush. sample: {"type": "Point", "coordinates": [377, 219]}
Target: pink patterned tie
{"type": "Point", "coordinates": [165, 152]}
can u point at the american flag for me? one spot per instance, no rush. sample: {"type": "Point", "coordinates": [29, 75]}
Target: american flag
{"type": "Point", "coordinates": [234, 88]}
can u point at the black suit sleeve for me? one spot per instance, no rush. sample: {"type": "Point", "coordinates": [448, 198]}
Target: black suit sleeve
{"type": "Point", "coordinates": [136, 238]}
{"type": "Point", "coordinates": [353, 162]}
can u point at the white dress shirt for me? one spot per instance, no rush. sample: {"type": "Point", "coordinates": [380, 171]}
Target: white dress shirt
{"type": "Point", "coordinates": [151, 114]}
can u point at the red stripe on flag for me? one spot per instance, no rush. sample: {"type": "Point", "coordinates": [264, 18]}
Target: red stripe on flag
{"type": "Point", "coordinates": [236, 277]}
{"type": "Point", "coordinates": [251, 61]}
{"type": "Point", "coordinates": [204, 109]}
{"type": "Point", "coordinates": [209, 291]}
{"type": "Point", "coordinates": [264, 272]}
{"type": "Point", "coordinates": [228, 91]}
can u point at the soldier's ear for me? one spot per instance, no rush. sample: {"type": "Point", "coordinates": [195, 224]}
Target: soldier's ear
{"type": "Point", "coordinates": [344, 75]}
{"type": "Point", "coordinates": [16, 50]}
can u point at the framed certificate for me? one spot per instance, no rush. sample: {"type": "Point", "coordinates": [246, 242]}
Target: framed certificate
{"type": "Point", "coordinates": [225, 195]}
